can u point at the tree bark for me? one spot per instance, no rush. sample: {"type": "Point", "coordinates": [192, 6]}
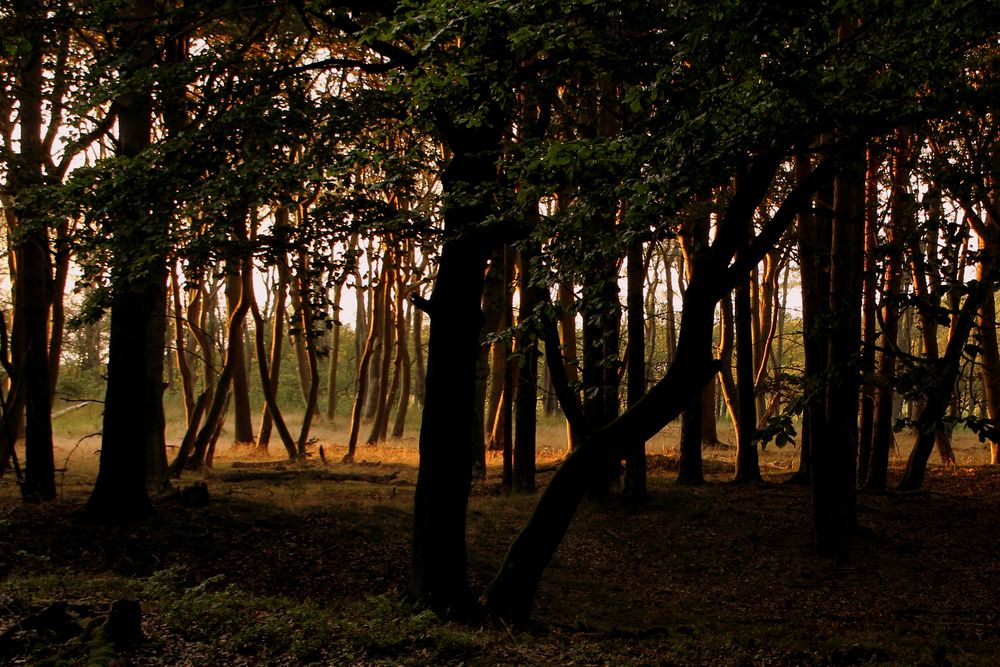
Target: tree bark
{"type": "Point", "coordinates": [33, 285]}
{"type": "Point", "coordinates": [526, 396]}
{"type": "Point", "coordinates": [242, 424]}
{"type": "Point", "coordinates": [444, 478]}
{"type": "Point", "coordinates": [133, 399]}
{"type": "Point", "coordinates": [835, 448]}
{"type": "Point", "coordinates": [635, 454]}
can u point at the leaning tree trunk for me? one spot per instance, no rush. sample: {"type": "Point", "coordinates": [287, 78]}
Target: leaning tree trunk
{"type": "Point", "coordinates": [944, 374]}
{"type": "Point", "coordinates": [511, 593]}
{"type": "Point", "coordinates": [270, 364]}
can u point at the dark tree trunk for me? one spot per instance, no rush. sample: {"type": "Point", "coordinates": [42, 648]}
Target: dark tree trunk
{"type": "Point", "coordinates": [568, 347]}
{"type": "Point", "coordinates": [494, 290]}
{"type": "Point", "coordinates": [444, 478]}
{"type": "Point", "coordinates": [944, 372]}
{"type": "Point", "coordinates": [133, 401]}
{"type": "Point", "coordinates": [814, 264]}
{"type": "Point", "coordinates": [635, 452]}
{"type": "Point", "coordinates": [511, 593]}
{"type": "Point", "coordinates": [694, 246]}
{"type": "Point", "coordinates": [33, 284]}
{"type": "Point", "coordinates": [835, 448]}
{"type": "Point", "coordinates": [526, 397]}
{"type": "Point", "coordinates": [747, 464]}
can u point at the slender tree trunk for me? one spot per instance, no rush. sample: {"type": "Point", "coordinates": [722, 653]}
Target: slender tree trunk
{"type": "Point", "coordinates": [180, 350]}
{"type": "Point", "coordinates": [33, 287]}
{"type": "Point", "coordinates": [379, 394]}
{"type": "Point", "coordinates": [494, 291]}
{"type": "Point", "coordinates": [945, 373]}
{"type": "Point", "coordinates": [361, 379]}
{"type": "Point", "coordinates": [567, 343]}
{"type": "Point", "coordinates": [526, 397]}
{"type": "Point", "coordinates": [635, 453]}
{"type": "Point", "coordinates": [990, 360]}
{"type": "Point", "coordinates": [866, 430]}
{"type": "Point", "coordinates": [268, 373]}
{"type": "Point", "coordinates": [243, 426]}
{"type": "Point", "coordinates": [312, 393]}
{"type": "Point", "coordinates": [901, 205]}
{"type": "Point", "coordinates": [747, 464]}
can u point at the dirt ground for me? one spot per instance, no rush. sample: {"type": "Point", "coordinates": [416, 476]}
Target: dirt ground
{"type": "Point", "coordinates": [308, 564]}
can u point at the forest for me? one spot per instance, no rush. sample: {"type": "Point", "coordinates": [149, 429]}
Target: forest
{"type": "Point", "coordinates": [499, 332]}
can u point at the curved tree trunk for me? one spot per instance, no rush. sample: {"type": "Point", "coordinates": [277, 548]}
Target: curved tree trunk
{"type": "Point", "coordinates": [242, 424]}
{"type": "Point", "coordinates": [272, 377]}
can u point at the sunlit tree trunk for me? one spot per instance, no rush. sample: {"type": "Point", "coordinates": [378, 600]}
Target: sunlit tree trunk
{"type": "Point", "coordinates": [242, 424]}
{"type": "Point", "coordinates": [901, 205]}
{"type": "Point", "coordinates": [567, 343]}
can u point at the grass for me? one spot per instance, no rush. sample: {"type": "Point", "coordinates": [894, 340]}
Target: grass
{"type": "Point", "coordinates": [299, 569]}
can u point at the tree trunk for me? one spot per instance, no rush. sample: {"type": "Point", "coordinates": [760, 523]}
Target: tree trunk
{"type": "Point", "coordinates": [402, 363]}
{"type": "Point", "coordinates": [361, 378]}
{"type": "Point", "coordinates": [814, 264]}
{"type": "Point", "coordinates": [242, 424]}
{"type": "Point", "coordinates": [866, 430]}
{"type": "Point", "coordinates": [835, 448]}
{"type": "Point", "coordinates": [487, 376]}
{"type": "Point", "coordinates": [901, 205]}
{"type": "Point", "coordinates": [526, 392]}
{"type": "Point", "coordinates": [271, 364]}
{"type": "Point", "coordinates": [568, 346]}
{"type": "Point", "coordinates": [312, 391]}
{"type": "Point", "coordinates": [747, 464]}
{"type": "Point", "coordinates": [382, 317]}
{"type": "Point", "coordinates": [33, 286]}
{"type": "Point", "coordinates": [180, 350]}
{"type": "Point", "coordinates": [438, 575]}
{"type": "Point", "coordinates": [944, 374]}
{"type": "Point", "coordinates": [133, 399]}
{"type": "Point", "coordinates": [635, 452]}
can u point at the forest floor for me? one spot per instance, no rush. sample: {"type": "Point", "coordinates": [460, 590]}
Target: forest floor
{"type": "Point", "coordinates": [306, 564]}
